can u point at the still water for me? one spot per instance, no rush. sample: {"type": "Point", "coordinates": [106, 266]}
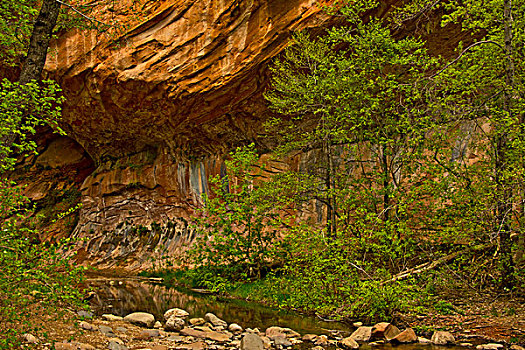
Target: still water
{"type": "Point", "coordinates": [124, 296]}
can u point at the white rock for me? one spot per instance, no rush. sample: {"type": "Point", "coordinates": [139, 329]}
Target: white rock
{"type": "Point", "coordinates": [235, 328]}
{"type": "Point", "coordinates": [142, 319]}
{"type": "Point", "coordinates": [176, 312]}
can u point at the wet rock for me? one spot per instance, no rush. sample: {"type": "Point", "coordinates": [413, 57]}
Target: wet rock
{"type": "Point", "coordinates": [422, 340]}
{"type": "Point", "coordinates": [467, 345]}
{"type": "Point", "coordinates": [490, 346]}
{"type": "Point", "coordinates": [376, 343]}
{"type": "Point", "coordinates": [29, 338]}
{"type": "Point", "coordinates": [174, 324]}
{"type": "Point", "coordinates": [200, 345]}
{"type": "Point", "coordinates": [274, 331]}
{"type": "Point", "coordinates": [280, 340]}
{"type": "Point", "coordinates": [142, 319]}
{"type": "Point", "coordinates": [251, 341]}
{"type": "Point", "coordinates": [310, 338]}
{"type": "Point", "coordinates": [362, 334]}
{"type": "Point", "coordinates": [235, 328]}
{"type": "Point", "coordinates": [384, 330]}
{"type": "Point", "coordinates": [214, 320]}
{"type": "Point", "coordinates": [405, 337]}
{"type": "Point", "coordinates": [107, 331]}
{"type": "Point", "coordinates": [111, 317]}
{"type": "Point", "coordinates": [322, 340]}
{"type": "Point", "coordinates": [176, 312]}
{"type": "Point", "coordinates": [197, 321]}
{"type": "Point", "coordinates": [357, 324]}
{"type": "Point", "coordinates": [349, 343]}
{"type": "Point", "coordinates": [87, 326]}
{"type": "Point", "coordinates": [442, 338]}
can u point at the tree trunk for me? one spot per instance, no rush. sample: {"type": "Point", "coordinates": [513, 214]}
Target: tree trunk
{"type": "Point", "coordinates": [39, 43]}
{"type": "Point", "coordinates": [504, 206]}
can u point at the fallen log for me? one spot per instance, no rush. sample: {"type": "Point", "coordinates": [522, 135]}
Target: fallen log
{"type": "Point", "coordinates": [433, 264]}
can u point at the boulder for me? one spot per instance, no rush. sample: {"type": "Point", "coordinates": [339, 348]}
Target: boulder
{"type": "Point", "coordinates": [274, 331]}
{"type": "Point", "coordinates": [197, 321]}
{"type": "Point", "coordinates": [322, 340]}
{"type": "Point", "coordinates": [349, 343]}
{"type": "Point", "coordinates": [180, 313]}
{"type": "Point", "coordinates": [357, 324]}
{"type": "Point", "coordinates": [407, 336]}
{"type": "Point", "coordinates": [157, 325]}
{"type": "Point", "coordinates": [142, 319]}
{"type": "Point", "coordinates": [281, 340]}
{"type": "Point", "coordinates": [214, 320]}
{"type": "Point", "coordinates": [251, 341]}
{"type": "Point", "coordinates": [174, 324]}
{"type": "Point", "coordinates": [115, 345]}
{"type": "Point", "coordinates": [516, 347]}
{"type": "Point", "coordinates": [384, 330]}
{"type": "Point", "coordinates": [442, 338]}
{"type": "Point", "coordinates": [422, 340]}
{"type": "Point", "coordinates": [362, 334]}
{"type": "Point", "coordinates": [235, 328]}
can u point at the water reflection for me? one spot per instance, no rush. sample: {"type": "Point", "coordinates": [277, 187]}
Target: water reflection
{"type": "Point", "coordinates": [125, 296]}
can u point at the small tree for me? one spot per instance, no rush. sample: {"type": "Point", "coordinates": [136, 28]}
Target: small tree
{"type": "Point", "coordinates": [240, 225]}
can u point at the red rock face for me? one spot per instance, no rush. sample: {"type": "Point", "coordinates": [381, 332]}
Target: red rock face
{"type": "Point", "coordinates": [156, 107]}
{"type": "Point", "coordinates": [189, 78]}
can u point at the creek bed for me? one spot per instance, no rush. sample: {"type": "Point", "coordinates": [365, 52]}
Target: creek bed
{"type": "Point", "coordinates": [124, 296]}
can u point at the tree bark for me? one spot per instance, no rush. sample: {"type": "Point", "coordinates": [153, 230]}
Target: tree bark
{"type": "Point", "coordinates": [39, 43]}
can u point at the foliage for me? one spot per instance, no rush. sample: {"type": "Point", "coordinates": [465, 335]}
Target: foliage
{"type": "Point", "coordinates": [33, 273]}
{"type": "Point", "coordinates": [16, 25]}
{"type": "Point", "coordinates": [238, 229]}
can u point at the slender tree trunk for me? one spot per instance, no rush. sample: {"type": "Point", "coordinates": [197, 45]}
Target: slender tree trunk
{"type": "Point", "coordinates": [39, 43]}
{"type": "Point", "coordinates": [386, 197]}
{"type": "Point", "coordinates": [504, 205]}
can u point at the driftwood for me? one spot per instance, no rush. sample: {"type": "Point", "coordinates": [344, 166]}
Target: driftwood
{"type": "Point", "coordinates": [433, 264]}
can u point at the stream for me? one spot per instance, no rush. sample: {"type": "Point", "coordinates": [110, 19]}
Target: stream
{"type": "Point", "coordinates": [122, 296]}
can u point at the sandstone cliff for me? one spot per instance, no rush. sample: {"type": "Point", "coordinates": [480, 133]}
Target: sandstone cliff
{"type": "Point", "coordinates": [152, 106]}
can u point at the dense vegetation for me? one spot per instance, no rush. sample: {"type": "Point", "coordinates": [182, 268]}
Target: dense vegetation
{"type": "Point", "coordinates": [35, 278]}
{"type": "Point", "coordinates": [409, 168]}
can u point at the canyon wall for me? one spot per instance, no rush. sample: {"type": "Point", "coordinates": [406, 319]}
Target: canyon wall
{"type": "Point", "coordinates": [153, 105]}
